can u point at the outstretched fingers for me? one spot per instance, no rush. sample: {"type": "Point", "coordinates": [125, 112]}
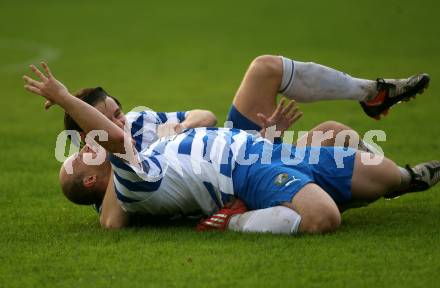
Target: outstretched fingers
{"type": "Point", "coordinates": [33, 89]}
{"type": "Point", "coordinates": [280, 107]}
{"type": "Point", "coordinates": [289, 107]}
{"type": "Point", "coordinates": [47, 69]}
{"type": "Point", "coordinates": [295, 117]}
{"type": "Point", "coordinates": [45, 85]}
{"type": "Point", "coordinates": [38, 73]}
{"type": "Point", "coordinates": [292, 112]}
{"type": "Point", "coordinates": [31, 82]}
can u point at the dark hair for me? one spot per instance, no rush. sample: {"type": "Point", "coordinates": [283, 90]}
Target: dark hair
{"type": "Point", "coordinates": [90, 96]}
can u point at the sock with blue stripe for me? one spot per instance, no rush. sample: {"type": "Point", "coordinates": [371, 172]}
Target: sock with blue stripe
{"type": "Point", "coordinates": [309, 82]}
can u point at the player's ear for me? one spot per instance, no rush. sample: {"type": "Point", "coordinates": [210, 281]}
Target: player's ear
{"type": "Point", "coordinates": [89, 181]}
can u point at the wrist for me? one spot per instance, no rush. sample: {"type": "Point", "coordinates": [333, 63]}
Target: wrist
{"type": "Point", "coordinates": [62, 98]}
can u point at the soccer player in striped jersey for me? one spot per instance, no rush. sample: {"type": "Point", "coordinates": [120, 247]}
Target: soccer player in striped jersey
{"type": "Point", "coordinates": [151, 122]}
{"type": "Point", "coordinates": [149, 126]}
{"type": "Point", "coordinates": [211, 164]}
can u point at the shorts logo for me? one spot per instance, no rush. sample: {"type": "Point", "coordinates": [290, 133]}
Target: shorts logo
{"type": "Point", "coordinates": [281, 179]}
{"type": "Point", "coordinates": [292, 181]}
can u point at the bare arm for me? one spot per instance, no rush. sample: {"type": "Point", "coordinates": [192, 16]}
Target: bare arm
{"type": "Point", "coordinates": [194, 119]}
{"type": "Point", "coordinates": [112, 215]}
{"type": "Point", "coordinates": [87, 116]}
{"type": "Point", "coordinates": [199, 118]}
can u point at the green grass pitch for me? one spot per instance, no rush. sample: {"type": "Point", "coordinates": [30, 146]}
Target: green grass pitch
{"type": "Point", "coordinates": [179, 55]}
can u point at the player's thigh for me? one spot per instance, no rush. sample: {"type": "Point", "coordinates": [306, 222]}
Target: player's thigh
{"type": "Point", "coordinates": [319, 213]}
{"type": "Point", "coordinates": [259, 87]}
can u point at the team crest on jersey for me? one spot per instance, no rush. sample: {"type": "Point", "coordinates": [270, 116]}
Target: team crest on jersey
{"type": "Point", "coordinates": [281, 179]}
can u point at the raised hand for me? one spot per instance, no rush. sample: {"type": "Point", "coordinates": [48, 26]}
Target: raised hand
{"type": "Point", "coordinates": [283, 116]}
{"type": "Point", "coordinates": [47, 86]}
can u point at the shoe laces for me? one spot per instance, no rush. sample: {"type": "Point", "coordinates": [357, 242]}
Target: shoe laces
{"type": "Point", "coordinates": [392, 88]}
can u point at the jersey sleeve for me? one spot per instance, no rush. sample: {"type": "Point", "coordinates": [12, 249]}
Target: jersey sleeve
{"type": "Point", "coordinates": [143, 125]}
{"type": "Point", "coordinates": [172, 117]}
{"type": "Point", "coordinates": [149, 116]}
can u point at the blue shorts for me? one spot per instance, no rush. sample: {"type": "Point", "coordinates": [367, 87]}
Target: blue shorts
{"type": "Point", "coordinates": [240, 121]}
{"type": "Point", "coordinates": [266, 185]}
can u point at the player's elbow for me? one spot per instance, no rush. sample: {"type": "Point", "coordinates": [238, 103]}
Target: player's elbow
{"type": "Point", "coordinates": [211, 120]}
{"type": "Point", "coordinates": [206, 118]}
{"type": "Point", "coordinates": [113, 220]}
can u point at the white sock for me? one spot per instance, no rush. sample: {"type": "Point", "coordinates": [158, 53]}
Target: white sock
{"type": "Point", "coordinates": [309, 82]}
{"type": "Point", "coordinates": [276, 220]}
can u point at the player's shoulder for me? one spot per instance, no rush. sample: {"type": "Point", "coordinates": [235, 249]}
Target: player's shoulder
{"type": "Point", "coordinates": [150, 116]}
{"type": "Point", "coordinates": [146, 113]}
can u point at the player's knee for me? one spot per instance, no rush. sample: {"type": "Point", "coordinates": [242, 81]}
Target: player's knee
{"type": "Point", "coordinates": [326, 221]}
{"type": "Point", "coordinates": [330, 130]}
{"type": "Point", "coordinates": [331, 124]}
{"type": "Point", "coordinates": [268, 64]}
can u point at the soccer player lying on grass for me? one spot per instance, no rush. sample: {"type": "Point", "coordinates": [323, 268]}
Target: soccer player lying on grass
{"type": "Point", "coordinates": [186, 172]}
{"type": "Point", "coordinates": [266, 76]}
{"type": "Point", "coordinates": [269, 74]}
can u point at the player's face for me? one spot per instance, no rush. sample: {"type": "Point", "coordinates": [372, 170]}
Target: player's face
{"type": "Point", "coordinates": [111, 110]}
{"type": "Point", "coordinates": [92, 176]}
{"type": "Point", "coordinates": [88, 161]}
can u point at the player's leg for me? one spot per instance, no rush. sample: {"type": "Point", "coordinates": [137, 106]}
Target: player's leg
{"type": "Point", "coordinates": [270, 185]}
{"type": "Point", "coordinates": [370, 182]}
{"type": "Point", "coordinates": [311, 210]}
{"type": "Point", "coordinates": [386, 179]}
{"type": "Point", "coordinates": [235, 217]}
{"type": "Point", "coordinates": [319, 213]}
{"type": "Point", "coordinates": [275, 220]}
{"type": "Point", "coordinates": [325, 134]}
{"type": "Point", "coordinates": [257, 92]}
{"type": "Point", "coordinates": [314, 82]}
{"type": "Point", "coordinates": [308, 82]}
{"type": "Point", "coordinates": [303, 82]}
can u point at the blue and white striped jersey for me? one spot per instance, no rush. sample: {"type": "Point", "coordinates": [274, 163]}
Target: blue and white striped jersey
{"type": "Point", "coordinates": [144, 125]}
{"type": "Point", "coordinates": [182, 174]}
